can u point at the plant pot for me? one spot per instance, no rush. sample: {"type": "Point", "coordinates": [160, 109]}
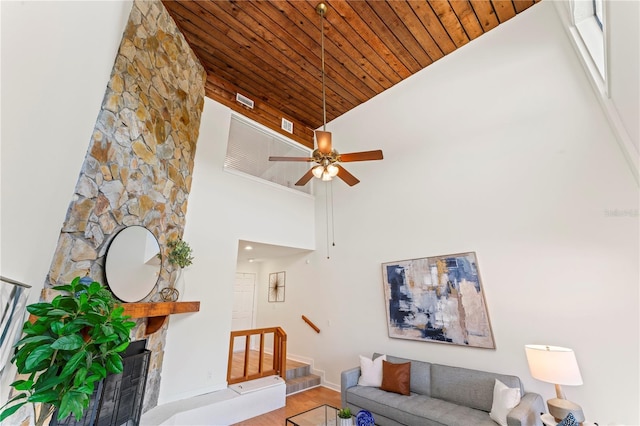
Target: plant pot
{"type": "Point", "coordinates": [345, 422]}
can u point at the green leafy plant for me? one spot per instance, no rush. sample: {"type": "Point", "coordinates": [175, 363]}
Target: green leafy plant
{"type": "Point", "coordinates": [344, 413]}
{"type": "Point", "coordinates": [76, 340]}
{"type": "Point", "coordinates": [180, 253]}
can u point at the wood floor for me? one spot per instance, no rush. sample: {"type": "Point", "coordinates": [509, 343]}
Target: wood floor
{"type": "Point", "coordinates": [295, 404]}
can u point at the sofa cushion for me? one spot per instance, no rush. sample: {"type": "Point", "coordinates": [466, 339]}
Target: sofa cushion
{"type": "Point", "coordinates": [420, 408]}
{"type": "Point", "coordinates": [395, 377]}
{"type": "Point", "coordinates": [371, 371]}
{"type": "Point", "coordinates": [420, 381]}
{"type": "Point", "coordinates": [504, 399]}
{"type": "Point", "coordinates": [377, 401]}
{"type": "Point", "coordinates": [470, 388]}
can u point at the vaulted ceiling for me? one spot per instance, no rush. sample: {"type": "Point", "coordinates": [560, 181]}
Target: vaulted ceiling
{"type": "Point", "coordinates": [270, 50]}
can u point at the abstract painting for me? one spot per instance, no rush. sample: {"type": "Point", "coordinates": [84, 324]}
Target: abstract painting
{"type": "Point", "coordinates": [437, 299]}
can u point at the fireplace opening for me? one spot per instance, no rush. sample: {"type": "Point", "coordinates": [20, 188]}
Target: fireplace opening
{"type": "Point", "coordinates": [117, 400]}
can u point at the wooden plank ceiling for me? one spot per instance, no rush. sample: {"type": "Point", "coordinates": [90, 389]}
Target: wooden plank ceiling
{"type": "Point", "coordinates": [270, 50]}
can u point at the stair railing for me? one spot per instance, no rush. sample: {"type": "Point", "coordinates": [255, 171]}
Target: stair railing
{"type": "Point", "coordinates": [311, 324]}
{"type": "Point", "coordinates": [279, 351]}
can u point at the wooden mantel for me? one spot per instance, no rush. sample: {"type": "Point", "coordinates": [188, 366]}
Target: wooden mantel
{"type": "Point", "coordinates": [157, 312]}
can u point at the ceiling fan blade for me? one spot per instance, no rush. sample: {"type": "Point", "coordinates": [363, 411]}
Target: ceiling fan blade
{"type": "Point", "coordinates": [361, 156]}
{"type": "Point", "coordinates": [307, 159]}
{"type": "Point", "coordinates": [305, 178]}
{"type": "Point", "coordinates": [346, 176]}
{"type": "Point", "coordinates": [324, 141]}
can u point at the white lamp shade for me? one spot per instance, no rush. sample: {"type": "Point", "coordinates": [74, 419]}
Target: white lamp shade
{"type": "Point", "coordinates": [553, 364]}
{"type": "Point", "coordinates": [333, 170]}
{"type": "Point", "coordinates": [318, 171]}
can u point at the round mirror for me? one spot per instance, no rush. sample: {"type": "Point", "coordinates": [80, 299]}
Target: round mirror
{"type": "Point", "coordinates": [133, 264]}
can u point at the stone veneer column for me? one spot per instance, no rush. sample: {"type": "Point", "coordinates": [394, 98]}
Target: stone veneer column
{"type": "Point", "coordinates": [138, 167]}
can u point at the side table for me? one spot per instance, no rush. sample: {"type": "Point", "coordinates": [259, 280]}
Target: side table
{"type": "Point", "coordinates": [548, 420]}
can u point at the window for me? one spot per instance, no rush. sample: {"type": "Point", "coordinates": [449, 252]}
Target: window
{"type": "Point", "coordinates": [248, 150]}
{"type": "Point", "coordinates": [597, 11]}
{"type": "Point", "coordinates": [588, 18]}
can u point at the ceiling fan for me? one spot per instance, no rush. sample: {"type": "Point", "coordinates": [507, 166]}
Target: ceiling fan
{"type": "Point", "coordinates": [328, 159]}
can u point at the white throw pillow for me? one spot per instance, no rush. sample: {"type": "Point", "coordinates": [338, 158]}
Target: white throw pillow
{"type": "Point", "coordinates": [504, 399]}
{"type": "Point", "coordinates": [371, 371]}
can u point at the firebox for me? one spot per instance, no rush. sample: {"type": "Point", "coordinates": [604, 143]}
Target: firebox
{"type": "Point", "coordinates": [117, 400]}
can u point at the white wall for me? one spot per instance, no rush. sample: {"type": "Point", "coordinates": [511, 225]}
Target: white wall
{"type": "Point", "coordinates": [223, 208]}
{"type": "Point", "coordinates": [296, 300]}
{"type": "Point", "coordinates": [56, 59]}
{"type": "Point", "coordinates": [499, 148]}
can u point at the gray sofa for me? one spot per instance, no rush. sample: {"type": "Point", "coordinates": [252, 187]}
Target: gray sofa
{"type": "Point", "coordinates": [440, 395]}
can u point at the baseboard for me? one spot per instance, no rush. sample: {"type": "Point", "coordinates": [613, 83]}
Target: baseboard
{"type": "Point", "coordinates": [332, 386]}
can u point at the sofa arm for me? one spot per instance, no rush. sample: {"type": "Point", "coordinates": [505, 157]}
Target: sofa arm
{"type": "Point", "coordinates": [348, 378]}
{"type": "Point", "coordinates": [527, 413]}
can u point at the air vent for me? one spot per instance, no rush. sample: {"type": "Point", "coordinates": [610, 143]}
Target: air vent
{"type": "Point", "coordinates": [244, 100]}
{"type": "Point", "coordinates": [287, 125]}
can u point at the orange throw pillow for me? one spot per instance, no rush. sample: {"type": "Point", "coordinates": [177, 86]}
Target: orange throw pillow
{"type": "Point", "coordinates": [396, 377]}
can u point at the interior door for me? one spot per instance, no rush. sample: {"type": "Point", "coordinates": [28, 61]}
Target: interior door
{"type": "Point", "coordinates": [243, 295]}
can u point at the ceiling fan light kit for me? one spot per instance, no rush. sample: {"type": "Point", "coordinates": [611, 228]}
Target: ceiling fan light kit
{"type": "Point", "coordinates": [328, 159]}
{"type": "Point", "coordinates": [327, 172]}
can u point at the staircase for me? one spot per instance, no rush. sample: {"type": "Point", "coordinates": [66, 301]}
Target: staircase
{"type": "Point", "coordinates": [299, 377]}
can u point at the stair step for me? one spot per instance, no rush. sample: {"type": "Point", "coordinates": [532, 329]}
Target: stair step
{"type": "Point", "coordinates": [297, 370]}
{"type": "Point", "coordinates": [298, 384]}
{"type": "Point", "coordinates": [299, 377]}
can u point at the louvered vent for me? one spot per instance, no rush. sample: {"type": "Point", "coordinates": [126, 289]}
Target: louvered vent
{"type": "Point", "coordinates": [249, 148]}
{"type": "Point", "coordinates": [244, 100]}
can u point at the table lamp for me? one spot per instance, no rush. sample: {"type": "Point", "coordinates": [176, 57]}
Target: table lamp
{"type": "Point", "coordinates": [557, 365]}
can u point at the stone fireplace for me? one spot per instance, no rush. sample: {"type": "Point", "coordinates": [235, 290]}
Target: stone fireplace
{"type": "Point", "coordinates": [139, 161]}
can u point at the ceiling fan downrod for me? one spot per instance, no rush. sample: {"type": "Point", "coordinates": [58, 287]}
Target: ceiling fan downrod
{"type": "Point", "coordinates": [328, 161]}
{"type": "Point", "coordinates": [321, 9]}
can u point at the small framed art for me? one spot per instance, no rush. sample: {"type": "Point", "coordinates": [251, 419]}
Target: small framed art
{"type": "Point", "coordinates": [276, 286]}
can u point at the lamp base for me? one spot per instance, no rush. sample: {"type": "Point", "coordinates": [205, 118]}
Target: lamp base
{"type": "Point", "coordinates": [560, 408]}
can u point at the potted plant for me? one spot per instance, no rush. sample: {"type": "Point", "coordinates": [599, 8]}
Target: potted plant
{"type": "Point", "coordinates": [345, 416]}
{"type": "Point", "coordinates": [73, 343]}
{"type": "Point", "coordinates": [180, 254]}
